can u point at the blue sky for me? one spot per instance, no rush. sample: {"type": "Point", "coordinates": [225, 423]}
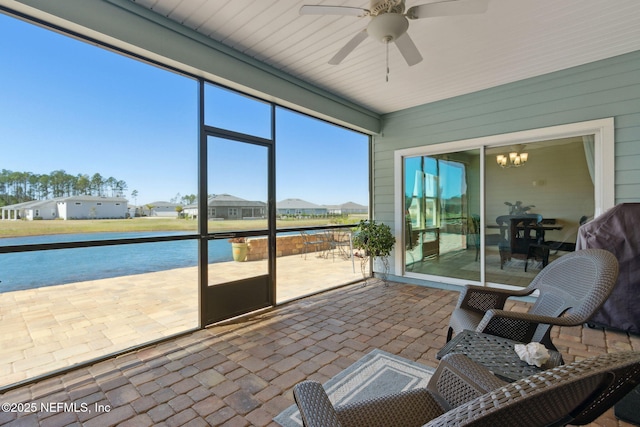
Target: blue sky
{"type": "Point", "coordinates": [69, 105]}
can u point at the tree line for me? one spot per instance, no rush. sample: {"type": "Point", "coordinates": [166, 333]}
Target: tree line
{"type": "Point", "coordinates": [18, 187]}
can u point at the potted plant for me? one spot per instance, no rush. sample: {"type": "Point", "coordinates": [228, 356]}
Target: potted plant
{"type": "Point", "coordinates": [374, 239]}
{"type": "Point", "coordinates": [239, 248]}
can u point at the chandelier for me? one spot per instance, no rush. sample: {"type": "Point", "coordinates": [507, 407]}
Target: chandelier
{"type": "Point", "coordinates": [512, 160]}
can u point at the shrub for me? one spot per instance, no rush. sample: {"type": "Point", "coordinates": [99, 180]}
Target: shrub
{"type": "Point", "coordinates": [374, 238]}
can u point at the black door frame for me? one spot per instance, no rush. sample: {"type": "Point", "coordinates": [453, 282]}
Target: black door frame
{"type": "Point", "coordinates": [231, 299]}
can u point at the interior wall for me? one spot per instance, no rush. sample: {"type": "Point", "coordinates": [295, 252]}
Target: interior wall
{"type": "Point", "coordinates": [608, 88]}
{"type": "Point", "coordinates": [555, 180]}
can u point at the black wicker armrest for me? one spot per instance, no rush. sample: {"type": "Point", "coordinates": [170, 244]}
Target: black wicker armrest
{"type": "Point", "coordinates": [519, 326]}
{"type": "Point", "coordinates": [459, 379]}
{"type": "Point", "coordinates": [314, 405]}
{"type": "Point", "coordinates": [481, 299]}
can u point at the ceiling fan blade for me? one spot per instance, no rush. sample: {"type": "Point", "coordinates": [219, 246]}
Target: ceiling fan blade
{"type": "Point", "coordinates": [348, 48]}
{"type": "Point", "coordinates": [408, 49]}
{"type": "Point", "coordinates": [333, 10]}
{"type": "Point", "coordinates": [448, 8]}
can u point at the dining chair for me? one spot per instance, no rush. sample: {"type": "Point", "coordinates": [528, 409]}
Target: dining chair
{"type": "Point", "coordinates": [519, 232]}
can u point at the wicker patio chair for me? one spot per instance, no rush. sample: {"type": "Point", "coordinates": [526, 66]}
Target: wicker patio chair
{"type": "Point", "coordinates": [571, 289]}
{"type": "Point", "coordinates": [576, 393]}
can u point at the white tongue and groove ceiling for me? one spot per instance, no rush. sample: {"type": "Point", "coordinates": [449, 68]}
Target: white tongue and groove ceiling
{"type": "Point", "coordinates": [513, 40]}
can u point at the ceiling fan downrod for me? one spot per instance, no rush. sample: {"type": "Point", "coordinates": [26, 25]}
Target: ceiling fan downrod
{"type": "Point", "coordinates": [387, 43]}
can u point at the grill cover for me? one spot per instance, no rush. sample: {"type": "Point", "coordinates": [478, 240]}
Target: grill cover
{"type": "Point", "coordinates": [618, 231]}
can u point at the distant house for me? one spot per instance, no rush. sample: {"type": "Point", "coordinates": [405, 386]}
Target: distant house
{"type": "Point", "coordinates": [298, 207]}
{"type": "Point", "coordinates": [190, 211]}
{"type": "Point", "coordinates": [348, 208]}
{"type": "Point", "coordinates": [72, 207]}
{"type": "Point", "coordinates": [226, 206]}
{"type": "Point", "coordinates": [161, 209]}
{"type": "Point", "coordinates": [40, 209]}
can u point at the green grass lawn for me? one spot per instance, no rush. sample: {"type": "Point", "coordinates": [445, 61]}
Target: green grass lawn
{"type": "Point", "coordinates": [38, 228]}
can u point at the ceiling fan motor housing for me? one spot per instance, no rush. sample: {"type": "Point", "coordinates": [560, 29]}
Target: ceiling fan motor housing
{"type": "Point", "coordinates": [387, 27]}
{"type": "Point", "coordinates": [378, 7]}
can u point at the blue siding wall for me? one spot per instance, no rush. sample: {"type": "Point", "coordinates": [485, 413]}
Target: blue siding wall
{"type": "Point", "coordinates": [608, 88]}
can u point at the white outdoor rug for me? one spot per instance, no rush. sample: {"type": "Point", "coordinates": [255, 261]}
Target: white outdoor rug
{"type": "Point", "coordinates": [375, 374]}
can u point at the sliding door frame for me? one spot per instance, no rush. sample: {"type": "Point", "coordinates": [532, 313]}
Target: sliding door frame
{"type": "Point", "coordinates": [604, 198]}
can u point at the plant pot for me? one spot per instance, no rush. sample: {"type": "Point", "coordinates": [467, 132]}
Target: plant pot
{"type": "Point", "coordinates": [239, 251]}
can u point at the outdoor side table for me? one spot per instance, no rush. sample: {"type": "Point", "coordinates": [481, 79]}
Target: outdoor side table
{"type": "Point", "coordinates": [496, 354]}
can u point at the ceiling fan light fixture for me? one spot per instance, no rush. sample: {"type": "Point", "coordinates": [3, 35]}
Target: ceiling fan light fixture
{"type": "Point", "coordinates": [387, 27]}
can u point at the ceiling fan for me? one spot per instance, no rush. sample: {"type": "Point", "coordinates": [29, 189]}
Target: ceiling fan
{"type": "Point", "coordinates": [389, 22]}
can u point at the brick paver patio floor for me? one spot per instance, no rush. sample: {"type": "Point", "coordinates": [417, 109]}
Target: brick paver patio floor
{"type": "Point", "coordinates": [242, 373]}
{"type": "Point", "coordinates": [52, 328]}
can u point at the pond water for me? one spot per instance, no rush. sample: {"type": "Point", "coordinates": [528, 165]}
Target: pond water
{"type": "Point", "coordinates": [27, 270]}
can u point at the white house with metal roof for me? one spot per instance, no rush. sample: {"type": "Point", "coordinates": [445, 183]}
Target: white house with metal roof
{"type": "Point", "coordinates": [72, 207]}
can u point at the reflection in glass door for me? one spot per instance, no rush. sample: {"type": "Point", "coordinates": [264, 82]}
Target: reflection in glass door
{"type": "Point", "coordinates": [238, 245]}
{"type": "Point", "coordinates": [442, 214]}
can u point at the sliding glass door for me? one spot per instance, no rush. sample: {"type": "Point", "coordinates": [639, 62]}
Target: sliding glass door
{"type": "Point", "coordinates": [497, 210]}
